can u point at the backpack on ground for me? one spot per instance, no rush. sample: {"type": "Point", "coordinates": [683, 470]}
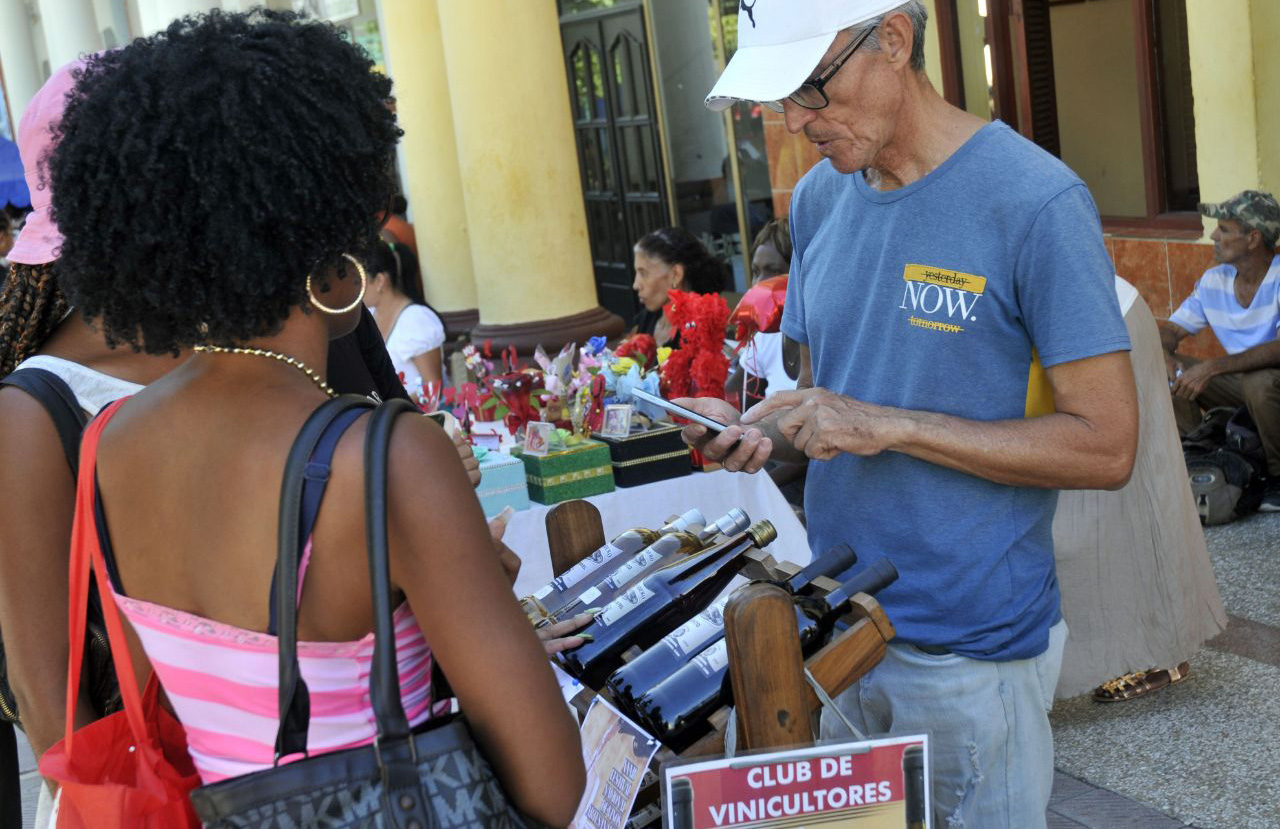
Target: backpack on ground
{"type": "Point", "coordinates": [1226, 465]}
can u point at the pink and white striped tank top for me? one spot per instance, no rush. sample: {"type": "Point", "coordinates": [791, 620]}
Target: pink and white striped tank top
{"type": "Point", "coordinates": [223, 680]}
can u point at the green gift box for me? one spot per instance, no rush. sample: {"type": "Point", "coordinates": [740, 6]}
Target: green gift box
{"type": "Point", "coordinates": [581, 470]}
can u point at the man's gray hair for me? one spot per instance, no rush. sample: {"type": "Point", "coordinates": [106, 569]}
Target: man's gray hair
{"type": "Point", "coordinates": [918, 15]}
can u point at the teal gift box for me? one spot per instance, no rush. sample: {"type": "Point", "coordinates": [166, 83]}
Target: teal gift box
{"type": "Point", "coordinates": [502, 484]}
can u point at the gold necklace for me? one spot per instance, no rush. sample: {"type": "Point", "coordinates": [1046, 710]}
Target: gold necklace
{"type": "Point", "coordinates": [262, 352]}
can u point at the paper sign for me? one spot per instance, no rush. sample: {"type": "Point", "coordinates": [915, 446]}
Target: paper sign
{"type": "Point", "coordinates": [875, 784]}
{"type": "Point", "coordinates": [616, 752]}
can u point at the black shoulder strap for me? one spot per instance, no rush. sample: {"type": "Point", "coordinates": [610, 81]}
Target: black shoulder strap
{"type": "Point", "coordinates": [294, 699]}
{"type": "Point", "coordinates": [61, 404]}
{"type": "Point", "coordinates": [397, 759]}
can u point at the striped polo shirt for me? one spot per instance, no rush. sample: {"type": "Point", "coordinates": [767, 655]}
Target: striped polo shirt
{"type": "Point", "coordinates": [1213, 303]}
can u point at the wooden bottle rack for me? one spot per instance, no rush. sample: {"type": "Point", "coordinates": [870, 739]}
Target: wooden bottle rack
{"type": "Point", "coordinates": [776, 706]}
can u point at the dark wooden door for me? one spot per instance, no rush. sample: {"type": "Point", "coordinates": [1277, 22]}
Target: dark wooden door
{"type": "Point", "coordinates": [616, 130]}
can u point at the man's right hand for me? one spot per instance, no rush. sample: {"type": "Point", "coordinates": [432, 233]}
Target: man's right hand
{"type": "Point", "coordinates": [738, 449]}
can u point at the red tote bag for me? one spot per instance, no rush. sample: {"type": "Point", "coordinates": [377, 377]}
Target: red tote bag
{"type": "Point", "coordinates": [128, 770]}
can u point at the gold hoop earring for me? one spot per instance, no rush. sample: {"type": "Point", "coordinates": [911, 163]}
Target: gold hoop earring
{"type": "Point", "coordinates": [364, 284]}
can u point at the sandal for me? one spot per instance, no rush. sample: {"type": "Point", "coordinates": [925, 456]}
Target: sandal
{"type": "Point", "coordinates": [1138, 683]}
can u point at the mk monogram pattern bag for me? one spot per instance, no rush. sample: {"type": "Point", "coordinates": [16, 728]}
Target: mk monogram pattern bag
{"type": "Point", "coordinates": [433, 778]}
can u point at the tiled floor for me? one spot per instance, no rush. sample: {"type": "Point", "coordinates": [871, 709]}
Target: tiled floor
{"type": "Point", "coordinates": [1204, 752]}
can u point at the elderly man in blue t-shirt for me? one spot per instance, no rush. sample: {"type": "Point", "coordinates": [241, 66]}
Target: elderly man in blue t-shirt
{"type": "Point", "coordinates": [963, 357]}
{"type": "Point", "coordinates": [1240, 300]}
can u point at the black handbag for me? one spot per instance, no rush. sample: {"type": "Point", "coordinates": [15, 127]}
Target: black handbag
{"type": "Point", "coordinates": [52, 392]}
{"type": "Point", "coordinates": [434, 777]}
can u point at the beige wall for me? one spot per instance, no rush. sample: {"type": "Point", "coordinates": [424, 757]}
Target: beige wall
{"type": "Point", "coordinates": [1226, 104]}
{"type": "Point", "coordinates": [1097, 91]}
{"type": "Point", "coordinates": [1266, 73]}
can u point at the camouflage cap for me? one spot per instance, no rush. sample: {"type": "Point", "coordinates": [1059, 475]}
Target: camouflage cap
{"type": "Point", "coordinates": [1254, 209]}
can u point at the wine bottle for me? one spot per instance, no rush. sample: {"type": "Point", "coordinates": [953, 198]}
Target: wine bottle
{"type": "Point", "coordinates": [676, 710]}
{"type": "Point", "coordinates": [913, 785]}
{"type": "Point", "coordinates": [683, 643]}
{"type": "Point", "coordinates": [558, 592]}
{"type": "Point", "coordinates": [671, 547]}
{"type": "Point", "coordinates": [660, 603]}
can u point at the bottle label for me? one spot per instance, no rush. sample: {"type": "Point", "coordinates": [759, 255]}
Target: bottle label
{"type": "Point", "coordinates": [583, 568]}
{"type": "Point", "coordinates": [692, 635]}
{"type": "Point", "coordinates": [589, 596]}
{"type": "Point", "coordinates": [637, 565]}
{"type": "Point", "coordinates": [714, 659]}
{"type": "Point", "coordinates": [624, 604]}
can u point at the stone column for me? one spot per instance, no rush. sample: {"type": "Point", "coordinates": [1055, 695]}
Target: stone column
{"type": "Point", "coordinates": [70, 30]}
{"type": "Point", "coordinates": [521, 185]}
{"type": "Point", "coordinates": [429, 155]}
{"type": "Point", "coordinates": [18, 61]}
{"type": "Point", "coordinates": [155, 15]}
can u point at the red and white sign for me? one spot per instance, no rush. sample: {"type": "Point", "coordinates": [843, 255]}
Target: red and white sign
{"type": "Point", "coordinates": [870, 784]}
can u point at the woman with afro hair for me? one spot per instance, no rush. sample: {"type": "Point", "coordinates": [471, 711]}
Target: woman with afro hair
{"type": "Point", "coordinates": [217, 186]}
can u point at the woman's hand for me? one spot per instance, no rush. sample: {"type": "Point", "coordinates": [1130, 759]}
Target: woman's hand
{"type": "Point", "coordinates": [510, 562]}
{"type": "Point", "coordinates": [468, 457]}
{"type": "Point", "coordinates": [555, 638]}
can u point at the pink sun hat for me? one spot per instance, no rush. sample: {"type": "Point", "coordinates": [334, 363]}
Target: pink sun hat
{"type": "Point", "coordinates": [39, 240]}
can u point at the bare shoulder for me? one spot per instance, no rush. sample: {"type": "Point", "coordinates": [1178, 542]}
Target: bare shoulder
{"type": "Point", "coordinates": [27, 433]}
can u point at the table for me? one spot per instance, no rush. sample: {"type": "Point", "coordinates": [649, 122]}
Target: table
{"type": "Point", "coordinates": [714, 493]}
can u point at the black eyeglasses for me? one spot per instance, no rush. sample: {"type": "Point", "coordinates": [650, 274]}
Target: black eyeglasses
{"type": "Point", "coordinates": [810, 94]}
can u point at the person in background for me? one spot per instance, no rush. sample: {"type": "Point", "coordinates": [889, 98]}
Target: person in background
{"type": "Point", "coordinates": [769, 362]}
{"type": "Point", "coordinates": [6, 238]}
{"type": "Point", "coordinates": [1240, 300]}
{"type": "Point", "coordinates": [189, 469]}
{"type": "Point", "coordinates": [1138, 589]}
{"type": "Point", "coordinates": [396, 228]}
{"type": "Point", "coordinates": [39, 329]}
{"type": "Point", "coordinates": [411, 328]}
{"type": "Point", "coordinates": [671, 259]}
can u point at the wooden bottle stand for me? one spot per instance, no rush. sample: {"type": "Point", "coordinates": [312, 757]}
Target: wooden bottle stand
{"type": "Point", "coordinates": [775, 703]}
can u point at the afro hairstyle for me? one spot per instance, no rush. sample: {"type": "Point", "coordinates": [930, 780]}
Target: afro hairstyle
{"type": "Point", "coordinates": [203, 173]}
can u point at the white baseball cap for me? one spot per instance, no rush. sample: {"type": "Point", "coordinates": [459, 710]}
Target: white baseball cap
{"type": "Point", "coordinates": [780, 43]}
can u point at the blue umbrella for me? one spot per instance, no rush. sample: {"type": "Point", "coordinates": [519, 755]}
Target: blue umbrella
{"type": "Point", "coordinates": [13, 186]}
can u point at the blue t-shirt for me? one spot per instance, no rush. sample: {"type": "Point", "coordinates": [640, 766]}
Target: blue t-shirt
{"type": "Point", "coordinates": [949, 295]}
{"type": "Point", "coordinates": [1213, 303]}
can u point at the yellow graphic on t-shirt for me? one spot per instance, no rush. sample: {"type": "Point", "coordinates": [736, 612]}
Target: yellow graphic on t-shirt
{"type": "Point", "coordinates": [941, 299]}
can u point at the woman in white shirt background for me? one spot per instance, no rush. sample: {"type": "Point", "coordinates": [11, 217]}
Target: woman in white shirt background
{"type": "Point", "coordinates": [412, 329]}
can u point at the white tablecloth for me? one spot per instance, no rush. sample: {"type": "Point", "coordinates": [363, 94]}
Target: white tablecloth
{"type": "Point", "coordinates": [714, 493]}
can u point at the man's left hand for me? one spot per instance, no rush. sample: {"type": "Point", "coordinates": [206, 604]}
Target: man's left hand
{"type": "Point", "coordinates": [823, 424]}
{"type": "Point", "coordinates": [1194, 380]}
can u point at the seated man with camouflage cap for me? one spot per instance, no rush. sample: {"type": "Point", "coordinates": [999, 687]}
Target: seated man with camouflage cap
{"type": "Point", "coordinates": [1239, 299]}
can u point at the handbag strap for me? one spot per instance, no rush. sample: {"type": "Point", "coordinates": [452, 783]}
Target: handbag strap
{"type": "Point", "coordinates": [315, 480]}
{"type": "Point", "coordinates": [384, 679]}
{"type": "Point", "coordinates": [405, 801]}
{"type": "Point", "coordinates": [86, 554]}
{"type": "Point", "coordinates": [60, 402]}
{"type": "Point", "coordinates": [294, 698]}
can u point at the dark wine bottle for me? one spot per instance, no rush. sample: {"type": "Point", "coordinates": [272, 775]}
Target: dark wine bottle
{"type": "Point", "coordinates": [560, 591]}
{"type": "Point", "coordinates": [676, 710]}
{"type": "Point", "coordinates": [660, 603]}
{"type": "Point", "coordinates": [678, 647]}
{"type": "Point", "coordinates": [670, 548]}
{"type": "Point", "coordinates": [913, 785]}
